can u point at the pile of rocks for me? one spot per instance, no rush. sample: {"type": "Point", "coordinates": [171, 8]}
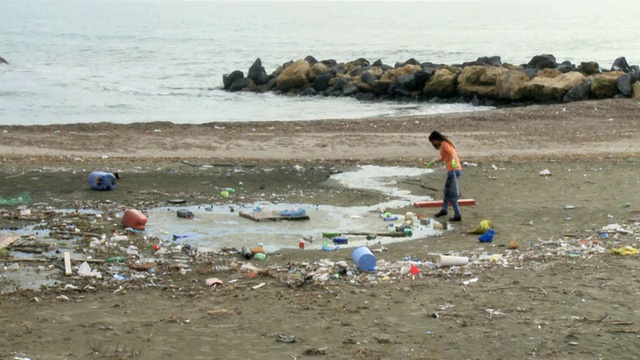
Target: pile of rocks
{"type": "Point", "coordinates": [484, 81]}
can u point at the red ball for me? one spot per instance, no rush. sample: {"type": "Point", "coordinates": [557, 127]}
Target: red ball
{"type": "Point", "coordinates": [156, 247]}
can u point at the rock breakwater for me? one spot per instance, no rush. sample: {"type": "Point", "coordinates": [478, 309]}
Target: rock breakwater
{"type": "Point", "coordinates": [485, 81]}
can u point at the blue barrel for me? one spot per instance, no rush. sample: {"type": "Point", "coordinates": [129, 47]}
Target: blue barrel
{"type": "Point", "coordinates": [102, 180]}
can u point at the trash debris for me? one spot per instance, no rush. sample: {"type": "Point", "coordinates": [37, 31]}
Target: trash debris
{"type": "Point", "coordinates": [134, 219]}
{"type": "Point", "coordinates": [414, 270]}
{"type": "Point", "coordinates": [8, 239]}
{"type": "Point", "coordinates": [85, 270]}
{"type": "Point", "coordinates": [545, 172]}
{"type": "Point", "coordinates": [627, 250]}
{"type": "Point", "coordinates": [446, 260]}
{"type": "Point", "coordinates": [487, 236]}
{"type": "Point", "coordinates": [484, 226]}
{"type": "Point", "coordinates": [102, 180]}
{"type": "Point", "coordinates": [363, 257]}
{"type": "Point", "coordinates": [17, 199]}
{"type": "Point", "coordinates": [213, 281]}
{"type": "Point", "coordinates": [185, 214]}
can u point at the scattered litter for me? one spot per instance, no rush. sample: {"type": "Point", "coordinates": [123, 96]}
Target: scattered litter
{"type": "Point", "coordinates": [17, 199]}
{"type": "Point", "coordinates": [484, 226]}
{"type": "Point", "coordinates": [627, 250]}
{"type": "Point", "coordinates": [545, 172]}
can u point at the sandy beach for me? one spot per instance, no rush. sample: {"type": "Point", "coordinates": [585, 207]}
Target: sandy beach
{"type": "Point", "coordinates": [562, 294]}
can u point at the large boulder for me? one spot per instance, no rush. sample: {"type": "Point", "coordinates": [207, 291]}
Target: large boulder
{"type": "Point", "coordinates": [635, 92]}
{"type": "Point", "coordinates": [548, 73]}
{"type": "Point", "coordinates": [321, 82]}
{"type": "Point", "coordinates": [257, 73]}
{"type": "Point", "coordinates": [294, 76]}
{"type": "Point", "coordinates": [406, 84]}
{"type": "Point", "coordinates": [339, 83]}
{"type": "Point", "coordinates": [243, 84]}
{"type": "Point", "coordinates": [603, 86]}
{"type": "Point", "coordinates": [589, 68]}
{"type": "Point", "coordinates": [354, 65]}
{"type": "Point", "coordinates": [623, 83]}
{"type": "Point", "coordinates": [552, 89]}
{"type": "Point", "coordinates": [350, 89]}
{"type": "Point", "coordinates": [544, 61]}
{"type": "Point", "coordinates": [479, 80]}
{"type": "Point", "coordinates": [228, 79]}
{"type": "Point", "coordinates": [317, 69]}
{"type": "Point", "coordinates": [393, 74]}
{"type": "Point", "coordinates": [620, 64]}
{"type": "Point", "coordinates": [509, 85]}
{"type": "Point", "coordinates": [578, 93]}
{"type": "Point", "coordinates": [311, 60]}
{"type": "Point", "coordinates": [369, 77]}
{"type": "Point", "coordinates": [363, 86]}
{"type": "Point", "coordinates": [442, 83]}
{"type": "Point", "coordinates": [381, 88]}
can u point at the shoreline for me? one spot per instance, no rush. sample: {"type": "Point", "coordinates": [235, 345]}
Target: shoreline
{"type": "Point", "coordinates": [582, 130]}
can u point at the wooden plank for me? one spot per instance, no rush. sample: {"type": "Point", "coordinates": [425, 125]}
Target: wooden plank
{"type": "Point", "coordinates": [270, 215]}
{"type": "Point", "coordinates": [438, 203]}
{"type": "Point", "coordinates": [8, 239]}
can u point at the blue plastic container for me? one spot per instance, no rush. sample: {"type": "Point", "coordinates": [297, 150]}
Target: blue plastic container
{"type": "Point", "coordinates": [102, 180]}
{"type": "Point", "coordinates": [340, 240]}
{"type": "Point", "coordinates": [363, 257]}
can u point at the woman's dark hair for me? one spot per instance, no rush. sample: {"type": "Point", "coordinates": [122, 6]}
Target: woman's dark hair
{"type": "Point", "coordinates": [435, 135]}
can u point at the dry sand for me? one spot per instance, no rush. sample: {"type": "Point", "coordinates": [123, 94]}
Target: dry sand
{"type": "Point", "coordinates": [544, 300]}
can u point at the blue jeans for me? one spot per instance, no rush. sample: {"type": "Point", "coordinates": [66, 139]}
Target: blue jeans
{"type": "Point", "coordinates": [452, 191]}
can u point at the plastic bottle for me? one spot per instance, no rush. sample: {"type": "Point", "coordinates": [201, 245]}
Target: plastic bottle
{"type": "Point", "coordinates": [340, 240]}
{"type": "Point", "coordinates": [330, 234]}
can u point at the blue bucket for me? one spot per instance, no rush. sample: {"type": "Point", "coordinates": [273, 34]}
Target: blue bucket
{"type": "Point", "coordinates": [363, 257]}
{"type": "Point", "coordinates": [102, 180]}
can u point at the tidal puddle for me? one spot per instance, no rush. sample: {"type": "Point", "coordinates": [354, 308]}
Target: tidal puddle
{"type": "Point", "coordinates": [222, 226]}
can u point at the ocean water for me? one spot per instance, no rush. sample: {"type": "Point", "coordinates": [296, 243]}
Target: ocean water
{"type": "Point", "coordinates": [82, 61]}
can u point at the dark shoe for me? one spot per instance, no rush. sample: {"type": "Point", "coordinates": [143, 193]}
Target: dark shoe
{"type": "Point", "coordinates": [440, 213]}
{"type": "Point", "coordinates": [456, 218]}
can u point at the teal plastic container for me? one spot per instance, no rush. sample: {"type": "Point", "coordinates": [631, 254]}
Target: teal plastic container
{"type": "Point", "coordinates": [102, 180]}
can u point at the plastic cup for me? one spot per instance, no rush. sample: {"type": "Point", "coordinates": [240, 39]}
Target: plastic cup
{"type": "Point", "coordinates": [445, 260]}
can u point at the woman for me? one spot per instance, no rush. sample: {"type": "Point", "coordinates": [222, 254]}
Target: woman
{"type": "Point", "coordinates": [449, 155]}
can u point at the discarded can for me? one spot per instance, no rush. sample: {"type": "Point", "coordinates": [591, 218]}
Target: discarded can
{"type": "Point", "coordinates": [301, 245]}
